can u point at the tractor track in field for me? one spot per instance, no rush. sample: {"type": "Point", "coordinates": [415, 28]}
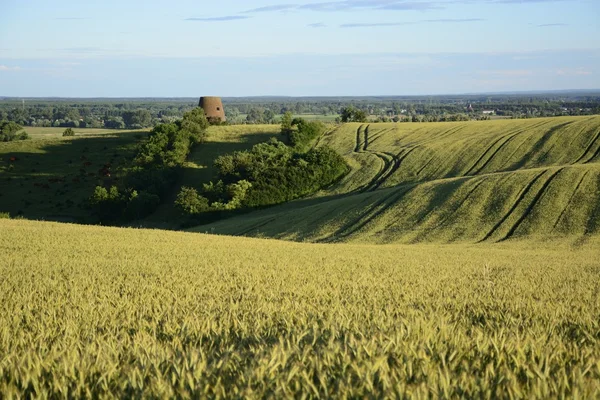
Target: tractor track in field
{"type": "Point", "coordinates": [378, 135]}
{"type": "Point", "coordinates": [462, 202]}
{"type": "Point", "coordinates": [389, 162]}
{"type": "Point", "coordinates": [588, 148]}
{"type": "Point", "coordinates": [520, 198]}
{"type": "Point", "coordinates": [254, 227]}
{"type": "Point", "coordinates": [531, 205]}
{"type": "Point", "coordinates": [564, 210]}
{"type": "Point", "coordinates": [504, 139]}
{"type": "Point", "coordinates": [375, 210]}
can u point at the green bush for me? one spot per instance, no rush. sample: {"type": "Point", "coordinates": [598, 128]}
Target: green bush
{"type": "Point", "coordinates": [305, 133]}
{"type": "Point", "coordinates": [141, 204]}
{"type": "Point", "coordinates": [276, 172]}
{"type": "Point", "coordinates": [8, 131]}
{"type": "Point", "coordinates": [189, 202]}
{"type": "Point", "coordinates": [69, 132]}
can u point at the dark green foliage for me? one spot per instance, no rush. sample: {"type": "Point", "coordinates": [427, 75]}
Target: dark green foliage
{"type": "Point", "coordinates": [107, 203]}
{"type": "Point", "coordinates": [189, 202]}
{"type": "Point", "coordinates": [277, 173]}
{"type": "Point", "coordinates": [137, 119]}
{"type": "Point", "coordinates": [8, 132]}
{"type": "Point", "coordinates": [157, 165]}
{"type": "Point", "coordinates": [140, 204]}
{"type": "Point", "coordinates": [112, 205]}
{"type": "Point", "coordinates": [286, 122]}
{"type": "Point", "coordinates": [69, 132]}
{"type": "Point", "coordinates": [194, 123]}
{"type": "Point", "coordinates": [353, 114]}
{"type": "Point", "coordinates": [169, 144]}
{"type": "Point", "coordinates": [114, 123]}
{"type": "Point", "coordinates": [305, 133]}
{"type": "Point", "coordinates": [157, 180]}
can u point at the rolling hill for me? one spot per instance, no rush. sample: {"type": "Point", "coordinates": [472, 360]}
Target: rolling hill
{"type": "Point", "coordinates": [447, 182]}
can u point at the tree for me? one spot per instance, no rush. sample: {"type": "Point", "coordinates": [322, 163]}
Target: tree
{"type": "Point", "coordinates": [114, 123]}
{"type": "Point", "coordinates": [255, 116]}
{"type": "Point", "coordinates": [269, 115]}
{"type": "Point", "coordinates": [286, 122]}
{"type": "Point", "coordinates": [137, 119]}
{"type": "Point", "coordinates": [9, 127]}
{"type": "Point", "coordinates": [194, 123]}
{"type": "Point", "coordinates": [353, 114]}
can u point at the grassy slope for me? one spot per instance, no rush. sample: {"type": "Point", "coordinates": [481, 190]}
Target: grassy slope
{"type": "Point", "coordinates": [445, 182]}
{"type": "Point", "coordinates": [89, 311]}
{"type": "Point", "coordinates": [50, 173]}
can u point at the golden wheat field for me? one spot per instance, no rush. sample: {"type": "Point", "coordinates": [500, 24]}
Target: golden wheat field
{"type": "Point", "coordinates": [111, 312]}
{"type": "Point", "coordinates": [484, 181]}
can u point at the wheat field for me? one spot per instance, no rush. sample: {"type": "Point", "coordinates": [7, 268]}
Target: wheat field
{"type": "Point", "coordinates": [110, 312]}
{"type": "Point", "coordinates": [448, 182]}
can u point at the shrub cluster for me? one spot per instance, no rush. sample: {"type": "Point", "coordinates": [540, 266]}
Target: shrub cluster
{"type": "Point", "coordinates": [305, 132]}
{"type": "Point", "coordinates": [69, 132]}
{"type": "Point", "coordinates": [156, 166]}
{"type": "Point", "coordinates": [270, 173]}
{"type": "Point", "coordinates": [9, 132]}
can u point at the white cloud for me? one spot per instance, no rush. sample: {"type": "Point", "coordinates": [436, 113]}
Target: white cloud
{"type": "Point", "coordinates": [7, 68]}
{"type": "Point", "coordinates": [508, 72]}
{"type": "Point", "coordinates": [574, 71]}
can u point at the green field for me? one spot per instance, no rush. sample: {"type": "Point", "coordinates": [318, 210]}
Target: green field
{"type": "Point", "coordinates": [52, 133]}
{"type": "Point", "coordinates": [448, 182]}
{"type": "Point", "coordinates": [110, 312]}
{"type": "Point", "coordinates": [51, 177]}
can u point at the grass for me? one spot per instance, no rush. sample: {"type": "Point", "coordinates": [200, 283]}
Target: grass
{"type": "Point", "coordinates": [52, 178]}
{"type": "Point", "coordinates": [94, 312]}
{"type": "Point", "coordinates": [52, 133]}
{"type": "Point", "coordinates": [448, 182]}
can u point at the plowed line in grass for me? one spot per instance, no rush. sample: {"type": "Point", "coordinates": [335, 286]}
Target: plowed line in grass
{"type": "Point", "coordinates": [485, 164]}
{"type": "Point", "coordinates": [253, 227]}
{"type": "Point", "coordinates": [463, 201]}
{"type": "Point", "coordinates": [391, 167]}
{"type": "Point", "coordinates": [520, 197]}
{"type": "Point", "coordinates": [533, 203]}
{"type": "Point", "coordinates": [506, 137]}
{"type": "Point", "coordinates": [594, 140]}
{"type": "Point", "coordinates": [375, 210]}
{"type": "Point", "coordinates": [358, 139]}
{"type": "Point", "coordinates": [377, 180]}
{"type": "Point", "coordinates": [378, 136]}
{"type": "Point", "coordinates": [425, 166]}
{"type": "Point", "coordinates": [564, 210]}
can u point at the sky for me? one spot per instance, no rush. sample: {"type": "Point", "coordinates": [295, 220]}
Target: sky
{"type": "Point", "coordinates": [229, 48]}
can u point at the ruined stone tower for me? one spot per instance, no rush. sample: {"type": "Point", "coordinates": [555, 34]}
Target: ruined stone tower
{"type": "Point", "coordinates": [213, 108]}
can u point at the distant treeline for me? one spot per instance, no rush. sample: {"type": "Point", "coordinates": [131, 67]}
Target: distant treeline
{"type": "Point", "coordinates": [142, 113]}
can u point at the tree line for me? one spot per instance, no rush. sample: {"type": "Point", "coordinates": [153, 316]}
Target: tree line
{"type": "Point", "coordinates": [142, 113]}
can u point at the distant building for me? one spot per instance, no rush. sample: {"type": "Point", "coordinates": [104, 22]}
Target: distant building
{"type": "Point", "coordinates": [489, 112]}
{"type": "Point", "coordinates": [213, 108]}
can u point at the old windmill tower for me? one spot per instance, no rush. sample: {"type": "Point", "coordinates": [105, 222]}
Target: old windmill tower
{"type": "Point", "coordinates": [213, 108]}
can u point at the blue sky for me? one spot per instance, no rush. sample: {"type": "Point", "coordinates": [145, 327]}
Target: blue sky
{"type": "Point", "coordinates": [134, 48]}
